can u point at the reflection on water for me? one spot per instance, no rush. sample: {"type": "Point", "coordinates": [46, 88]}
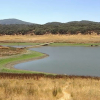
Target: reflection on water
{"type": "Point", "coordinates": [66, 60]}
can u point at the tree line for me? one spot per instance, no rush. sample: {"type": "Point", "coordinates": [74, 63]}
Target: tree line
{"type": "Point", "coordinates": [86, 27]}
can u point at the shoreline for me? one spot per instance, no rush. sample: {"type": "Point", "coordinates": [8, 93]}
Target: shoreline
{"type": "Point", "coordinates": [37, 45]}
{"type": "Point", "coordinates": [8, 66]}
{"type": "Point", "coordinates": [12, 64]}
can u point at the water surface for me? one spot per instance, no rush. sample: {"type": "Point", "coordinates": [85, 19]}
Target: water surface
{"type": "Point", "coordinates": [66, 60]}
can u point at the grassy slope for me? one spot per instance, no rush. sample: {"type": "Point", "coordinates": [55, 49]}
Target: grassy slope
{"type": "Point", "coordinates": [3, 62]}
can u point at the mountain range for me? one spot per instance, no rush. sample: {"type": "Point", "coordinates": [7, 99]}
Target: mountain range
{"type": "Point", "coordinates": [13, 21]}
{"type": "Point", "coordinates": [17, 21]}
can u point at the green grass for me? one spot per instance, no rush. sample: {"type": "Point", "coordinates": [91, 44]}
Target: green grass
{"type": "Point", "coordinates": [53, 44]}
{"type": "Point", "coordinates": [73, 44]}
{"type": "Point", "coordinates": [18, 44]}
{"type": "Point", "coordinates": [3, 62]}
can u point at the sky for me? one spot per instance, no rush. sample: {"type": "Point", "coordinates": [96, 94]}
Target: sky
{"type": "Point", "coordinates": [43, 11]}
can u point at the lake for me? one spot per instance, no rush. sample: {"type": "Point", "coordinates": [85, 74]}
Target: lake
{"type": "Point", "coordinates": [66, 60]}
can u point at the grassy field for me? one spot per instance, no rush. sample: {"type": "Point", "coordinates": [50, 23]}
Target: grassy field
{"type": "Point", "coordinates": [42, 87]}
{"type": "Point", "coordinates": [51, 38]}
{"type": "Point", "coordinates": [57, 40]}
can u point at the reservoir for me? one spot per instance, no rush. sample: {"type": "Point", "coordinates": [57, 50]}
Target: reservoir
{"type": "Point", "coordinates": [66, 60]}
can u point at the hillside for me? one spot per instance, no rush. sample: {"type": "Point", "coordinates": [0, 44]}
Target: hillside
{"type": "Point", "coordinates": [15, 26]}
{"type": "Point", "coordinates": [13, 21]}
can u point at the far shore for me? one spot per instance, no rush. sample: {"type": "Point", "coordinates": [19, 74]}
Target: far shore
{"type": "Point", "coordinates": [78, 38]}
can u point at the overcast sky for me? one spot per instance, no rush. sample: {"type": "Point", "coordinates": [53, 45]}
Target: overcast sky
{"type": "Point", "coordinates": [43, 11]}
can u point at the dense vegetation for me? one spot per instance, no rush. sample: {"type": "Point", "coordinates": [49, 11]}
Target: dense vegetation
{"type": "Point", "coordinates": [83, 27]}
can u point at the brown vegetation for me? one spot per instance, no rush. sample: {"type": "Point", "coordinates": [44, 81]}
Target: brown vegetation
{"type": "Point", "coordinates": [8, 51]}
{"type": "Point", "coordinates": [1, 47]}
{"type": "Point", "coordinates": [48, 87]}
{"type": "Point", "coordinates": [52, 38]}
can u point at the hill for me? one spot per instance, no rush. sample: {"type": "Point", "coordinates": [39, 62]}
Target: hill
{"type": "Point", "coordinates": [17, 21]}
{"type": "Point", "coordinates": [72, 22]}
{"type": "Point", "coordinates": [13, 21]}
{"type": "Point", "coordinates": [14, 26]}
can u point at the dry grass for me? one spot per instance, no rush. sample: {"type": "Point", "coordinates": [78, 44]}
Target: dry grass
{"type": "Point", "coordinates": [43, 88]}
{"type": "Point", "coordinates": [8, 51]}
{"type": "Point", "coordinates": [52, 38]}
{"type": "Point", "coordinates": [84, 89]}
{"type": "Point", "coordinates": [29, 89]}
